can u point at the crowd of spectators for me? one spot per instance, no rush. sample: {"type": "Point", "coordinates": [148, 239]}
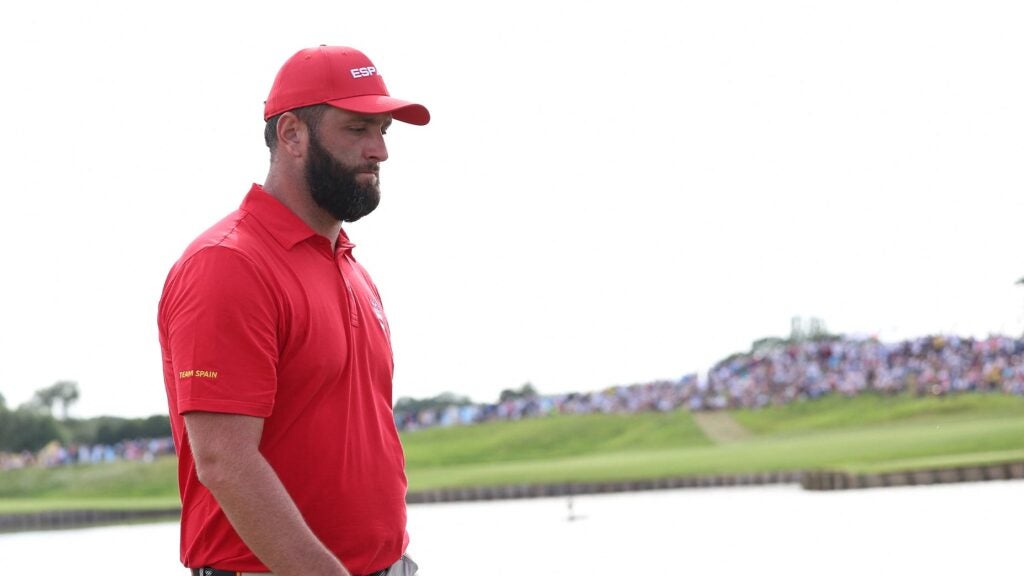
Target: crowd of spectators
{"type": "Point", "coordinates": [773, 373]}
{"type": "Point", "coordinates": [934, 365]}
{"type": "Point", "coordinates": [55, 454]}
{"type": "Point", "coordinates": [779, 372]}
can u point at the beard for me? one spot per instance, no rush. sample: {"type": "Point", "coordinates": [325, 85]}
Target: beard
{"type": "Point", "coordinates": [334, 187]}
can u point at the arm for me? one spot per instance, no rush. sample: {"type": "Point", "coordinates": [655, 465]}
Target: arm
{"type": "Point", "coordinates": [230, 465]}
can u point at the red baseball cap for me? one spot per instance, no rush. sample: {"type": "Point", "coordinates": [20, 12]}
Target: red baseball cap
{"type": "Point", "coordinates": [342, 77]}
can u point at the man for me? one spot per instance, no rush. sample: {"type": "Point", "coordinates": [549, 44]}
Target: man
{"type": "Point", "coordinates": [276, 351]}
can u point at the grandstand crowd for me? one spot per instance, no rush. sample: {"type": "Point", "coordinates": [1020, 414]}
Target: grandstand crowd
{"type": "Point", "coordinates": [775, 373]}
{"type": "Point", "coordinates": [55, 454]}
{"type": "Point", "coordinates": [779, 373]}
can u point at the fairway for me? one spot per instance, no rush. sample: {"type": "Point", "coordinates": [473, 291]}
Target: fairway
{"type": "Point", "coordinates": [868, 433]}
{"type": "Point", "coordinates": [882, 448]}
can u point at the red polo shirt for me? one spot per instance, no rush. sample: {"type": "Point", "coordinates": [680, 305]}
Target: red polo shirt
{"type": "Point", "coordinates": [259, 317]}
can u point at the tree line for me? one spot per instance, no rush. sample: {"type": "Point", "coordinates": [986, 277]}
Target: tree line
{"type": "Point", "coordinates": [44, 419]}
{"type": "Point", "coordinates": [407, 405]}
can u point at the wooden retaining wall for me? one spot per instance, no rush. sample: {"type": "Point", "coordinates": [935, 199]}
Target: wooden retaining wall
{"type": "Point", "coordinates": [516, 491]}
{"type": "Point", "coordinates": [827, 480]}
{"type": "Point", "coordinates": [809, 480]}
{"type": "Point", "coordinates": [64, 519]}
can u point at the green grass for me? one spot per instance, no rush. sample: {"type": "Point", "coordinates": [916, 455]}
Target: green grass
{"type": "Point", "coordinates": [867, 433]}
{"type": "Point", "coordinates": [114, 480]}
{"type": "Point", "coordinates": [832, 412]}
{"type": "Point", "coordinates": [113, 486]}
{"type": "Point", "coordinates": [553, 437]}
{"type": "Point", "coordinates": [863, 434]}
{"type": "Point", "coordinates": [878, 448]}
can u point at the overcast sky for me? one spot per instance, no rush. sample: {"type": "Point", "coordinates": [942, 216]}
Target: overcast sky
{"type": "Point", "coordinates": [608, 192]}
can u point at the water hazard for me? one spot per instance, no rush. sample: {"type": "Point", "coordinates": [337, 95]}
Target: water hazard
{"type": "Point", "coordinates": [937, 530]}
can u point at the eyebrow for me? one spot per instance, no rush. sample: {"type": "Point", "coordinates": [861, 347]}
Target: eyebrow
{"type": "Point", "coordinates": [365, 119]}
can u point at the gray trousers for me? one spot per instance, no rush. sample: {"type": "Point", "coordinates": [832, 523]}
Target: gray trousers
{"type": "Point", "coordinates": [404, 567]}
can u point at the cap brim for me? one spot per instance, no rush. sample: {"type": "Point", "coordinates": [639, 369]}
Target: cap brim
{"type": "Point", "coordinates": [374, 104]}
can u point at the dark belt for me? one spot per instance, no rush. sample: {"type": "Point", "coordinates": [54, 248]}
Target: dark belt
{"type": "Point", "coordinates": [214, 572]}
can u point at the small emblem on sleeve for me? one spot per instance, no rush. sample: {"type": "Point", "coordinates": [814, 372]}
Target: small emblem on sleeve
{"type": "Point", "coordinates": [211, 374]}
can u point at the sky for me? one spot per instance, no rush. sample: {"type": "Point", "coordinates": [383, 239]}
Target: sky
{"type": "Point", "coordinates": [607, 193]}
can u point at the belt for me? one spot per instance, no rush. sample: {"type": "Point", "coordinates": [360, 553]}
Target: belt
{"type": "Point", "coordinates": [207, 571]}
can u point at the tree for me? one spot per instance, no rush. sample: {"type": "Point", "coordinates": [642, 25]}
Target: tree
{"type": "Point", "coordinates": [41, 403]}
{"type": "Point", "coordinates": [26, 429]}
{"type": "Point", "coordinates": [156, 426]}
{"type": "Point", "coordinates": [525, 391]}
{"type": "Point", "coordinates": [64, 392]}
{"type": "Point", "coordinates": [67, 394]}
{"type": "Point", "coordinates": [114, 429]}
{"type": "Point", "coordinates": [442, 400]}
{"type": "Point", "coordinates": [808, 329]}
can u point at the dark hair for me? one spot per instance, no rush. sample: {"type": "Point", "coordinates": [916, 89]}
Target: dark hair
{"type": "Point", "coordinates": [310, 116]}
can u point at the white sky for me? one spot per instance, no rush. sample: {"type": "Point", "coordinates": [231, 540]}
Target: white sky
{"type": "Point", "coordinates": [608, 192]}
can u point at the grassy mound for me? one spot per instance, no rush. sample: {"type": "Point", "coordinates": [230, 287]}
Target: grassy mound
{"type": "Point", "coordinates": [867, 433]}
{"type": "Point", "coordinates": [547, 438]}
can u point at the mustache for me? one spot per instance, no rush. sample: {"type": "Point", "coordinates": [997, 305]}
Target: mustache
{"type": "Point", "coordinates": [373, 167]}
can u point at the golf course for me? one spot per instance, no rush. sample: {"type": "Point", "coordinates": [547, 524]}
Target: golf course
{"type": "Point", "coordinates": [864, 434]}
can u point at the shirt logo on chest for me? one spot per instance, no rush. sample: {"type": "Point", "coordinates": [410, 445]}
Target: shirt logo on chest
{"type": "Point", "coordinates": [378, 310]}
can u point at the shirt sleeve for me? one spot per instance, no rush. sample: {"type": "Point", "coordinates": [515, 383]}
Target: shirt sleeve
{"type": "Point", "coordinates": [221, 321]}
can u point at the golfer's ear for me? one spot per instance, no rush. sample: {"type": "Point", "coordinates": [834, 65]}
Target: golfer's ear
{"type": "Point", "coordinates": [292, 135]}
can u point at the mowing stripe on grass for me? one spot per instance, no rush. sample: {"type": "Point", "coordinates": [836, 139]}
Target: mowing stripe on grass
{"type": "Point", "coordinates": [720, 427]}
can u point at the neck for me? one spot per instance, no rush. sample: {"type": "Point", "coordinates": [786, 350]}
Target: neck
{"type": "Point", "coordinates": [298, 200]}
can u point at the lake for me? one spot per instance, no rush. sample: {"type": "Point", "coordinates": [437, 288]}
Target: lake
{"type": "Point", "coordinates": [951, 529]}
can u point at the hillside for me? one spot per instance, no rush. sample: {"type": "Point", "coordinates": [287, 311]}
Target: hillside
{"type": "Point", "coordinates": [863, 433]}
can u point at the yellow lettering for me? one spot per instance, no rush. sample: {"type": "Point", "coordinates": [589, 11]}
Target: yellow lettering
{"type": "Point", "coordinates": [211, 374]}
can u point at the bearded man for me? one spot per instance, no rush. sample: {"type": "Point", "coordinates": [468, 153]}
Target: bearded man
{"type": "Point", "coordinates": [276, 351]}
